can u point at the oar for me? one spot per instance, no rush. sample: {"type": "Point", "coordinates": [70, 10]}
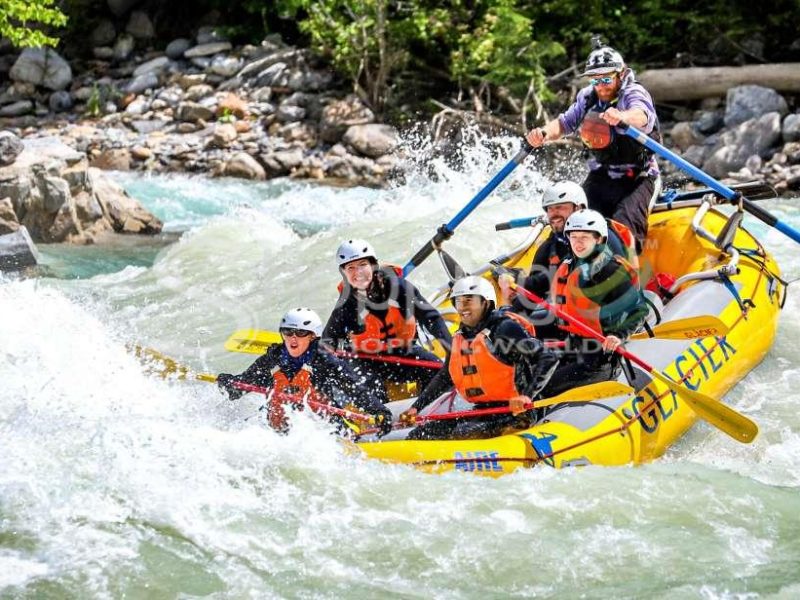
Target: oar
{"type": "Point", "coordinates": [712, 411]}
{"type": "Point", "coordinates": [255, 341]}
{"type": "Point", "coordinates": [585, 393]}
{"type": "Point", "coordinates": [755, 190]}
{"type": "Point", "coordinates": [172, 367]}
{"type": "Point", "coordinates": [715, 185]}
{"type": "Point", "coordinates": [686, 329]}
{"type": "Point", "coordinates": [445, 232]}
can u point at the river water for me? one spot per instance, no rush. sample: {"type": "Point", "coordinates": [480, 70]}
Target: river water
{"type": "Point", "coordinates": [115, 483]}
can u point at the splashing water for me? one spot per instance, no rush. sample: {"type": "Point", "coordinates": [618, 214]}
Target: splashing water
{"type": "Point", "coordinates": [114, 483]}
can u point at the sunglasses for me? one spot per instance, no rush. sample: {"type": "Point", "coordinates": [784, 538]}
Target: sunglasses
{"type": "Point", "coordinates": [603, 80]}
{"type": "Point", "coordinates": [295, 333]}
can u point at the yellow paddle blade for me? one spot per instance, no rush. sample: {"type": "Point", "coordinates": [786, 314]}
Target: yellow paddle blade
{"type": "Point", "coordinates": [587, 393]}
{"type": "Point", "coordinates": [686, 329]}
{"type": "Point", "coordinates": [156, 363]}
{"type": "Point", "coordinates": [714, 412]}
{"type": "Point", "coordinates": [252, 341]}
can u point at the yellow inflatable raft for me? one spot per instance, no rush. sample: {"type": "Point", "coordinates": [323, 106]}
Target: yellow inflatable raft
{"type": "Point", "coordinates": [722, 270]}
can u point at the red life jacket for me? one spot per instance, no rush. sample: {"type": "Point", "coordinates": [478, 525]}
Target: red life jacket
{"type": "Point", "coordinates": [568, 297]}
{"type": "Point", "coordinates": [477, 374]}
{"type": "Point", "coordinates": [294, 390]}
{"type": "Point", "coordinates": [384, 335]}
{"type": "Point", "coordinates": [523, 322]}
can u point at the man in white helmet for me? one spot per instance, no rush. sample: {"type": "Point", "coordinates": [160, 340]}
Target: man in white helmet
{"type": "Point", "coordinates": [300, 370]}
{"type": "Point", "coordinates": [622, 173]}
{"type": "Point", "coordinates": [495, 361]}
{"type": "Point", "coordinates": [559, 201]}
{"type": "Point", "coordinates": [377, 312]}
{"type": "Point", "coordinates": [599, 289]}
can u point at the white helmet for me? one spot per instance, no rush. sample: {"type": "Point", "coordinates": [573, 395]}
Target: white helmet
{"type": "Point", "coordinates": [353, 250]}
{"type": "Point", "coordinates": [603, 59]}
{"type": "Point", "coordinates": [564, 191]}
{"type": "Point", "coordinates": [304, 319]}
{"type": "Point", "coordinates": [587, 220]}
{"type": "Point", "coordinates": [474, 286]}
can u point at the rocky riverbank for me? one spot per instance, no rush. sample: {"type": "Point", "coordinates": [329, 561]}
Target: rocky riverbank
{"type": "Point", "coordinates": [202, 105]}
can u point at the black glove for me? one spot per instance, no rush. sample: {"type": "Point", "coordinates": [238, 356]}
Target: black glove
{"type": "Point", "coordinates": [383, 421]}
{"type": "Point", "coordinates": [225, 382]}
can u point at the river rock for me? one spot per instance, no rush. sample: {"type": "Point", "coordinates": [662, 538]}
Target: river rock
{"type": "Point", "coordinates": [193, 112]}
{"type": "Point", "coordinates": [103, 34]}
{"type": "Point", "coordinates": [684, 135]}
{"type": "Point", "coordinates": [709, 122]}
{"type": "Point", "coordinates": [16, 109]}
{"type": "Point", "coordinates": [121, 7]}
{"type": "Point", "coordinates": [8, 218]}
{"type": "Point", "coordinates": [791, 128]}
{"type": "Point", "coordinates": [747, 102]}
{"type": "Point", "coordinates": [124, 46]}
{"type": "Point", "coordinates": [17, 251]}
{"type": "Point", "coordinates": [288, 113]}
{"type": "Point", "coordinates": [372, 140]}
{"type": "Point", "coordinates": [60, 101]}
{"type": "Point", "coordinates": [339, 115]}
{"type": "Point", "coordinates": [125, 213]}
{"type": "Point", "coordinates": [156, 65]}
{"type": "Point", "coordinates": [225, 66]}
{"type": "Point", "coordinates": [176, 48]}
{"type": "Point", "coordinates": [224, 135]}
{"type": "Point", "coordinates": [140, 26]}
{"type": "Point", "coordinates": [207, 49]}
{"type": "Point", "coordinates": [113, 159]}
{"type": "Point", "coordinates": [42, 66]}
{"type": "Point", "coordinates": [735, 146]}
{"type": "Point", "coordinates": [10, 147]}
{"type": "Point", "coordinates": [245, 166]}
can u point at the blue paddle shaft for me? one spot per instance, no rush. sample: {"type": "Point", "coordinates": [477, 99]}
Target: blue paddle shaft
{"type": "Point", "coordinates": [445, 232]}
{"type": "Point", "coordinates": [715, 185]}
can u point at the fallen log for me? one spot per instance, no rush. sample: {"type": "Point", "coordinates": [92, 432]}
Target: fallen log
{"type": "Point", "coordinates": [695, 83]}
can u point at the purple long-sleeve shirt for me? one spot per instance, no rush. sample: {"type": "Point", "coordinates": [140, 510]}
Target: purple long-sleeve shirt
{"type": "Point", "coordinates": [631, 95]}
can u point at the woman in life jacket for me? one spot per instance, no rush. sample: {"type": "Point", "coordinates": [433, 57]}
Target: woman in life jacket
{"type": "Point", "coordinates": [623, 174]}
{"type": "Point", "coordinates": [559, 201]}
{"type": "Point", "coordinates": [300, 370]}
{"type": "Point", "coordinates": [494, 361]}
{"type": "Point", "coordinates": [601, 290]}
{"type": "Point", "coordinates": [378, 312]}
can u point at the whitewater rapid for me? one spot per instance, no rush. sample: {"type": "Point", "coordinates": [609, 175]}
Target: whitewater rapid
{"type": "Point", "coordinates": [115, 483]}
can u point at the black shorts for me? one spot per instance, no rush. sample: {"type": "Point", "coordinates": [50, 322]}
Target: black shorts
{"type": "Point", "coordinates": [626, 200]}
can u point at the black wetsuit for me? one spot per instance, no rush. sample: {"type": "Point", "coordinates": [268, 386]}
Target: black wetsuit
{"type": "Point", "coordinates": [345, 320]}
{"type": "Point", "coordinates": [510, 344]}
{"type": "Point", "coordinates": [608, 284]}
{"type": "Point", "coordinates": [330, 376]}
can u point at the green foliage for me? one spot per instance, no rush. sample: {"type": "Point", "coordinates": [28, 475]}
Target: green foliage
{"type": "Point", "coordinates": [20, 22]}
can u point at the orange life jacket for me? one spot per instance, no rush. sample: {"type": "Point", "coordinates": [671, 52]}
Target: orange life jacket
{"type": "Point", "coordinates": [627, 239]}
{"type": "Point", "coordinates": [477, 374]}
{"type": "Point", "coordinates": [383, 335]}
{"type": "Point", "coordinates": [296, 389]}
{"type": "Point", "coordinates": [567, 296]}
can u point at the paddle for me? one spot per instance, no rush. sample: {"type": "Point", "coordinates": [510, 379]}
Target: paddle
{"type": "Point", "coordinates": [255, 341]}
{"type": "Point", "coordinates": [712, 411]}
{"type": "Point", "coordinates": [585, 393]}
{"type": "Point", "coordinates": [172, 367]}
{"type": "Point", "coordinates": [720, 188]}
{"type": "Point", "coordinates": [445, 232]}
